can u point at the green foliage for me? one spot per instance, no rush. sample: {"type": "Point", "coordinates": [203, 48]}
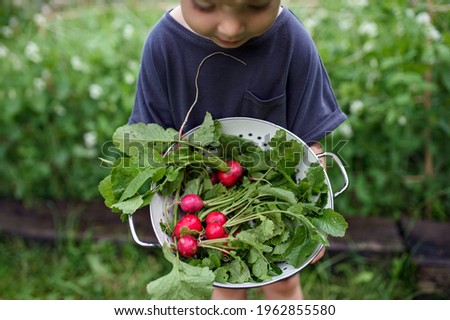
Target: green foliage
{"type": "Point", "coordinates": [389, 63]}
{"type": "Point", "coordinates": [76, 270]}
{"type": "Point", "coordinates": [182, 283]}
{"type": "Point", "coordinates": [69, 80]}
{"type": "Point", "coordinates": [89, 270]}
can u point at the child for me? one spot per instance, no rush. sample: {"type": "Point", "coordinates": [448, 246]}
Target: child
{"type": "Point", "coordinates": [268, 68]}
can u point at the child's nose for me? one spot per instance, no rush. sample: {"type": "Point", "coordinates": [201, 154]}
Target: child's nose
{"type": "Point", "coordinates": [231, 27]}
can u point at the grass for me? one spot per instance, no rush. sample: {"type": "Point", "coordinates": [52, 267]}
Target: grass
{"type": "Point", "coordinates": [104, 270]}
{"type": "Point", "coordinates": [71, 270]}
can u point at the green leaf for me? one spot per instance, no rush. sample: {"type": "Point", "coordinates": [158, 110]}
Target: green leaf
{"type": "Point", "coordinates": [129, 206]}
{"type": "Point", "coordinates": [287, 154]}
{"type": "Point", "coordinates": [192, 186]}
{"type": "Point", "coordinates": [316, 176]}
{"type": "Point", "coordinates": [133, 139]}
{"type": "Point", "coordinates": [278, 193]}
{"type": "Point", "coordinates": [259, 264]}
{"type": "Point", "coordinates": [257, 160]}
{"type": "Point", "coordinates": [123, 172]}
{"type": "Point", "coordinates": [208, 133]}
{"type": "Point", "coordinates": [331, 223]}
{"type": "Point", "coordinates": [216, 191]}
{"type": "Point", "coordinates": [221, 275]}
{"type": "Point", "coordinates": [135, 184]}
{"type": "Point", "coordinates": [183, 282]}
{"type": "Point", "coordinates": [105, 189]}
{"type": "Point", "coordinates": [173, 181]}
{"type": "Point", "coordinates": [241, 149]}
{"type": "Point", "coordinates": [301, 247]}
{"type": "Point", "coordinates": [239, 271]}
{"type": "Point", "coordinates": [258, 235]}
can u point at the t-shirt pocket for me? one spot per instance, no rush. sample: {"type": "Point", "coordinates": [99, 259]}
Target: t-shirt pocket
{"type": "Point", "coordinates": [273, 109]}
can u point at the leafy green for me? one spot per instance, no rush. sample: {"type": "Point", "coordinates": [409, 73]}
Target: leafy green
{"type": "Point", "coordinates": [208, 133]}
{"type": "Point", "coordinates": [132, 139]}
{"type": "Point", "coordinates": [331, 223]}
{"type": "Point", "coordinates": [271, 216]}
{"type": "Point", "coordinates": [183, 282]}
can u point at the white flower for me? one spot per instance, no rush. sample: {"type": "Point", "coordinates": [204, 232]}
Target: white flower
{"type": "Point", "coordinates": [345, 24]}
{"type": "Point", "coordinates": [39, 84]}
{"type": "Point", "coordinates": [368, 28]}
{"type": "Point", "coordinates": [7, 32]}
{"type": "Point", "coordinates": [369, 46]}
{"type": "Point", "coordinates": [3, 51]}
{"type": "Point", "coordinates": [346, 130]}
{"type": "Point", "coordinates": [133, 65]}
{"type": "Point", "coordinates": [409, 12]}
{"type": "Point", "coordinates": [356, 106]}
{"type": "Point", "coordinates": [40, 20]}
{"type": "Point", "coordinates": [310, 23]}
{"type": "Point", "coordinates": [423, 18]}
{"type": "Point", "coordinates": [359, 3]}
{"type": "Point", "coordinates": [432, 33]}
{"type": "Point", "coordinates": [60, 110]}
{"type": "Point", "coordinates": [402, 121]}
{"type": "Point", "coordinates": [128, 31]}
{"type": "Point", "coordinates": [129, 78]}
{"type": "Point", "coordinates": [90, 139]}
{"type": "Point", "coordinates": [95, 91]}
{"type": "Point", "coordinates": [77, 64]}
{"type": "Point", "coordinates": [32, 52]}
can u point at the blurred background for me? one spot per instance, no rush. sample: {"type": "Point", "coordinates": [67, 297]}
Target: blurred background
{"type": "Point", "coordinates": [68, 79]}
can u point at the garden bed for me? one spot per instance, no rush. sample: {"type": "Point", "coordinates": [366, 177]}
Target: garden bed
{"type": "Point", "coordinates": [427, 242]}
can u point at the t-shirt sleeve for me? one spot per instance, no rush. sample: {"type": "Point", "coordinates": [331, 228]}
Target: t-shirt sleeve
{"type": "Point", "coordinates": [151, 103]}
{"type": "Point", "coordinates": [315, 111]}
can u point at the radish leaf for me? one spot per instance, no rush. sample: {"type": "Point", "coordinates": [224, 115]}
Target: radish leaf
{"type": "Point", "coordinates": [183, 282]}
{"type": "Point", "coordinates": [331, 222]}
{"type": "Point", "coordinates": [132, 139]}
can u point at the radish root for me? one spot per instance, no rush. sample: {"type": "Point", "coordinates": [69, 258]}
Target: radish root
{"type": "Point", "coordinates": [196, 85]}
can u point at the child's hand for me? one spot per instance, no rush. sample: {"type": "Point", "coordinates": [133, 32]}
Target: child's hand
{"type": "Point", "coordinates": [319, 256]}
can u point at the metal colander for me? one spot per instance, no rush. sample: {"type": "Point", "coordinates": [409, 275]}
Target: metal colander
{"type": "Point", "coordinates": [260, 132]}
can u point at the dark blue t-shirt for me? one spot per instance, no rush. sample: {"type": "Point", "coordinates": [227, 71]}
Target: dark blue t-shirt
{"type": "Point", "coordinates": [283, 81]}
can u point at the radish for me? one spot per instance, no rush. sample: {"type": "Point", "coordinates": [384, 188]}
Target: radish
{"type": "Point", "coordinates": [187, 246]}
{"type": "Point", "coordinates": [216, 217]}
{"type": "Point", "coordinates": [191, 221]}
{"type": "Point", "coordinates": [191, 203]}
{"type": "Point", "coordinates": [230, 178]}
{"type": "Point", "coordinates": [213, 177]}
{"type": "Point", "coordinates": [215, 231]}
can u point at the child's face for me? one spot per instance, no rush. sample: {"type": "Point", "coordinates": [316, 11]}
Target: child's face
{"type": "Point", "coordinates": [230, 23]}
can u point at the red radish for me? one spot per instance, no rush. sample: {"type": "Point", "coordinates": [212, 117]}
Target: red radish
{"type": "Point", "coordinates": [191, 203]}
{"type": "Point", "coordinates": [216, 217]}
{"type": "Point", "coordinates": [187, 246]}
{"type": "Point", "coordinates": [215, 231]}
{"type": "Point", "coordinates": [229, 179]}
{"type": "Point", "coordinates": [213, 177]}
{"type": "Point", "coordinates": [191, 221]}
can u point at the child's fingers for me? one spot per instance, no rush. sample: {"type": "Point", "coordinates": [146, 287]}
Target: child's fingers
{"type": "Point", "coordinates": [319, 255]}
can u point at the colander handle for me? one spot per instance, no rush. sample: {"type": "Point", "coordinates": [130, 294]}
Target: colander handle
{"type": "Point", "coordinates": [341, 169]}
{"type": "Point", "coordinates": [135, 236]}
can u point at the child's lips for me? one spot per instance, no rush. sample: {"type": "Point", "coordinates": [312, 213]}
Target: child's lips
{"type": "Point", "coordinates": [228, 43]}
